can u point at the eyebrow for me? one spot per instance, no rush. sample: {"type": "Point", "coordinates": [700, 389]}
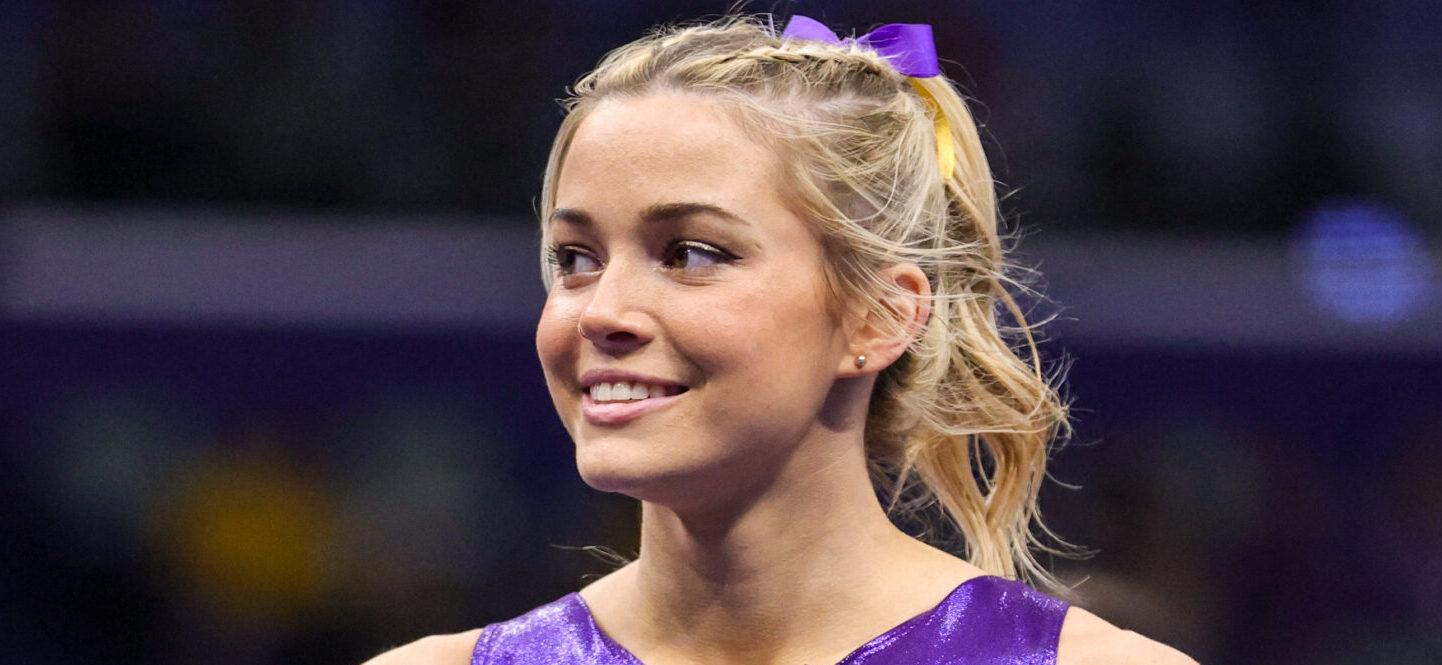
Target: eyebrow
{"type": "Point", "coordinates": [659, 212]}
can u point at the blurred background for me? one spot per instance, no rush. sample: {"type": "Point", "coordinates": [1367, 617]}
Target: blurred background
{"type": "Point", "coordinates": [268, 389]}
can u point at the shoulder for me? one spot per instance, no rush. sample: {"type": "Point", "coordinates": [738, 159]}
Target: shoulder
{"type": "Point", "coordinates": [455, 649]}
{"type": "Point", "coordinates": [546, 634]}
{"type": "Point", "coordinates": [1086, 639]}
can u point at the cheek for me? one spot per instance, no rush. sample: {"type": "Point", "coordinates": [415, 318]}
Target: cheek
{"type": "Point", "coordinates": [556, 337]}
{"type": "Point", "coordinates": [777, 334]}
{"type": "Point", "coordinates": [792, 311]}
{"type": "Point", "coordinates": [769, 354]}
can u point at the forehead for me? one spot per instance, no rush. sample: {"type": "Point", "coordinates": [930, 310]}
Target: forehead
{"type": "Point", "coordinates": [664, 146]}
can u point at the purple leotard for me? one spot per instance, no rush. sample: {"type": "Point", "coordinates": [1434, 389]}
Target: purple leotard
{"type": "Point", "coordinates": [986, 619]}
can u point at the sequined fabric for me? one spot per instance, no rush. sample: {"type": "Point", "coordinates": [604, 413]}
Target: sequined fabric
{"type": "Point", "coordinates": [985, 620]}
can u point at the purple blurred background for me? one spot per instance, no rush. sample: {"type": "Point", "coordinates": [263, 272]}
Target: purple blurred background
{"type": "Point", "coordinates": [268, 278]}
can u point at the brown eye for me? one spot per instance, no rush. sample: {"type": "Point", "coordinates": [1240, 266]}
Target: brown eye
{"type": "Point", "coordinates": [691, 255]}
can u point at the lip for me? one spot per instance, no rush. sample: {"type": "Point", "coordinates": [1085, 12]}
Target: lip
{"type": "Point", "coordinates": [596, 376]}
{"type": "Point", "coordinates": [620, 413]}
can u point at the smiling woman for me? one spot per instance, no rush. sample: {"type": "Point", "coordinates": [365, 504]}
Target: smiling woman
{"type": "Point", "coordinates": [774, 282]}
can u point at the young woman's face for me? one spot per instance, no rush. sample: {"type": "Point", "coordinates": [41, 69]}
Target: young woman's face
{"type": "Point", "coordinates": [676, 259]}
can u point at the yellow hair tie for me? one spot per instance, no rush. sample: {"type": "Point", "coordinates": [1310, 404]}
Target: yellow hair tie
{"type": "Point", "coordinates": [945, 144]}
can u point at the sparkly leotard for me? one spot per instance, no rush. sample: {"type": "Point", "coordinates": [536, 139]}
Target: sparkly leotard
{"type": "Point", "coordinates": [985, 620]}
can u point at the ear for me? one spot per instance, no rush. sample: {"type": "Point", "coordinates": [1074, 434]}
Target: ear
{"type": "Point", "coordinates": [880, 345]}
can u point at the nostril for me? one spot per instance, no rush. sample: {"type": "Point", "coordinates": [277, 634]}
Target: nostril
{"type": "Point", "coordinates": [610, 332]}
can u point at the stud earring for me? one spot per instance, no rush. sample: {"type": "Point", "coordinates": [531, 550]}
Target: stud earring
{"type": "Point", "coordinates": [860, 361]}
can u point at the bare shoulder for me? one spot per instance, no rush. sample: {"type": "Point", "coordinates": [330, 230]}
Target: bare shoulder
{"type": "Point", "coordinates": [455, 649]}
{"type": "Point", "coordinates": [1086, 639]}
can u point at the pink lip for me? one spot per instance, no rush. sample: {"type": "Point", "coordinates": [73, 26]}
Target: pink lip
{"type": "Point", "coordinates": [619, 413]}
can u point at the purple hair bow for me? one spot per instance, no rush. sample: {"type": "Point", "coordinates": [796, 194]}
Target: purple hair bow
{"type": "Point", "coordinates": [908, 46]}
{"type": "Point", "coordinates": [911, 50]}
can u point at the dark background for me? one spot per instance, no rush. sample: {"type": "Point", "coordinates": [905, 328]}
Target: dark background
{"type": "Point", "coordinates": [268, 390]}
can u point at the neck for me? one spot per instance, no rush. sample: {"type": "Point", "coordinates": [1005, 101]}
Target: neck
{"type": "Point", "coordinates": [813, 541]}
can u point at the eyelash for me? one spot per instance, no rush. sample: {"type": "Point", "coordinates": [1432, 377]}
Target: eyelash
{"type": "Point", "coordinates": [555, 253]}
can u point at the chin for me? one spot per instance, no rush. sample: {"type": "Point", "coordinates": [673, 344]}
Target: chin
{"type": "Point", "coordinates": [603, 477]}
{"type": "Point", "coordinates": [606, 466]}
{"type": "Point", "coordinates": [608, 469]}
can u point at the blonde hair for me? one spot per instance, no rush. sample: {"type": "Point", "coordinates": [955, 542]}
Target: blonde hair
{"type": "Point", "coordinates": [962, 420]}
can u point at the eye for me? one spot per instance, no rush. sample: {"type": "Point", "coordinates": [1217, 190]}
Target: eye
{"type": "Point", "coordinates": [569, 260]}
{"type": "Point", "coordinates": [692, 255]}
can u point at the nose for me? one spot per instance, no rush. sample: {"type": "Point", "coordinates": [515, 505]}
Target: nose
{"type": "Point", "coordinates": [613, 319]}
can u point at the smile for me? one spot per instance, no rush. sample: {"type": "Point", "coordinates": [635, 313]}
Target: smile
{"type": "Point", "coordinates": [617, 404]}
{"type": "Point", "coordinates": [625, 391]}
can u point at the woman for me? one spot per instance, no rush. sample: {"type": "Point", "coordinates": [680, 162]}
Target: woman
{"type": "Point", "coordinates": [773, 274]}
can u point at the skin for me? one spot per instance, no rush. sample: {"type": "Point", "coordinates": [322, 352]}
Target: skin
{"type": "Point", "coordinates": [761, 538]}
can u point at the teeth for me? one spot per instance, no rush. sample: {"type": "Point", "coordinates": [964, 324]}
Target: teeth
{"type": "Point", "coordinates": [622, 391]}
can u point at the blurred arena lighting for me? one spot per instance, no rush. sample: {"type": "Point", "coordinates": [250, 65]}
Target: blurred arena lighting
{"type": "Point", "coordinates": [283, 269]}
{"type": "Point", "coordinates": [266, 268]}
{"type": "Point", "coordinates": [1363, 262]}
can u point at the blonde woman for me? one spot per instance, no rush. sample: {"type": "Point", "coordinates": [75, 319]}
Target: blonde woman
{"type": "Point", "coordinates": [774, 277]}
